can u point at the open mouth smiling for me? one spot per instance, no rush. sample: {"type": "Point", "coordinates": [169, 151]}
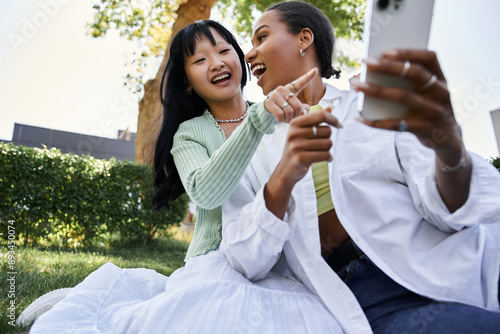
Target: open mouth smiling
{"type": "Point", "coordinates": [258, 70]}
{"type": "Point", "coordinates": [221, 78]}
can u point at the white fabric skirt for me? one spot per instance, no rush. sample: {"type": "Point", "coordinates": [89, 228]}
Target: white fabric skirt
{"type": "Point", "coordinates": [205, 296]}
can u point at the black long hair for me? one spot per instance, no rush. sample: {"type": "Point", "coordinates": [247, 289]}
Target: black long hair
{"type": "Point", "coordinates": [298, 15]}
{"type": "Point", "coordinates": [180, 106]}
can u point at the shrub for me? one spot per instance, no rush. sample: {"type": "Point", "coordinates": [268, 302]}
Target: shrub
{"type": "Point", "coordinates": [496, 162]}
{"type": "Point", "coordinates": [50, 194]}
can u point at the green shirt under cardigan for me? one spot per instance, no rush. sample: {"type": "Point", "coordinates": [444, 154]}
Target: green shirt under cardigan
{"type": "Point", "coordinates": [210, 167]}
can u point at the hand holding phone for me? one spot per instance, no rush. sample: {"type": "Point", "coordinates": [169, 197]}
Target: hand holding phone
{"type": "Point", "coordinates": [392, 24]}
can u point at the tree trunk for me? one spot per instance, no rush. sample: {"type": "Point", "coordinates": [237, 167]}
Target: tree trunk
{"type": "Point", "coordinates": [150, 108]}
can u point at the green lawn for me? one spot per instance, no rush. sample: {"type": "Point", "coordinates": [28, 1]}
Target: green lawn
{"type": "Point", "coordinates": [43, 269]}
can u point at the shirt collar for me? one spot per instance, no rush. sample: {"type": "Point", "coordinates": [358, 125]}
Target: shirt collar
{"type": "Point", "coordinates": [331, 97]}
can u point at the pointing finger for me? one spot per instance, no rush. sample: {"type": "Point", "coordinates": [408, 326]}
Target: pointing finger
{"type": "Point", "coordinates": [299, 84]}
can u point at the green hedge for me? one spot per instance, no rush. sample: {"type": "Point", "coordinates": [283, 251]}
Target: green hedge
{"type": "Point", "coordinates": [496, 162]}
{"type": "Point", "coordinates": [50, 194]}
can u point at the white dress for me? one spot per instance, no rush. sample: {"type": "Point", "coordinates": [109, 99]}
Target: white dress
{"type": "Point", "coordinates": [205, 296]}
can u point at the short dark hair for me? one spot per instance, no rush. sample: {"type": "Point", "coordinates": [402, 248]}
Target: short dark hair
{"type": "Point", "coordinates": [299, 15]}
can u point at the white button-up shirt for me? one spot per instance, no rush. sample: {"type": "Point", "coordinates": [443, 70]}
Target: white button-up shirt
{"type": "Point", "coordinates": [385, 195]}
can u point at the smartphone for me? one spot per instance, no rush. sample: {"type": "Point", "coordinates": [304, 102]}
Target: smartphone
{"type": "Point", "coordinates": [392, 24]}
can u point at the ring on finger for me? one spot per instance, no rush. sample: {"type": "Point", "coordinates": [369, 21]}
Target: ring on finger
{"type": "Point", "coordinates": [289, 96]}
{"type": "Point", "coordinates": [405, 70]}
{"type": "Point", "coordinates": [284, 105]}
{"type": "Point", "coordinates": [429, 83]}
{"type": "Point", "coordinates": [293, 86]}
{"type": "Point", "coordinates": [403, 126]}
{"type": "Point", "coordinates": [315, 131]}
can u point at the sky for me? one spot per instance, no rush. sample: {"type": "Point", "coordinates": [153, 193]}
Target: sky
{"type": "Point", "coordinates": [53, 75]}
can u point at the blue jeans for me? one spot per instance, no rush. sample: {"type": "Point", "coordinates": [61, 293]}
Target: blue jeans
{"type": "Point", "coordinates": [391, 308]}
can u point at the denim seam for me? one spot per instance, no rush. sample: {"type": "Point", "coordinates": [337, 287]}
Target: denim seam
{"type": "Point", "coordinates": [349, 269]}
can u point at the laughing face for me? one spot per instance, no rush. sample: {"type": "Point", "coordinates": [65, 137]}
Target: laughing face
{"type": "Point", "coordinates": [275, 56]}
{"type": "Point", "coordinates": [214, 71]}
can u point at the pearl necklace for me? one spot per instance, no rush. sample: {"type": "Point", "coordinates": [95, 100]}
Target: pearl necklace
{"type": "Point", "coordinates": [234, 120]}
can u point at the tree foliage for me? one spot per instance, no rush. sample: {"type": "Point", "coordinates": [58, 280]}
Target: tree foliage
{"type": "Point", "coordinates": [146, 22]}
{"type": "Point", "coordinates": [346, 16]}
{"type": "Point", "coordinates": [149, 23]}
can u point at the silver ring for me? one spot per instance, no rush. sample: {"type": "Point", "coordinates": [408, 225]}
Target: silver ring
{"type": "Point", "coordinates": [293, 86]}
{"type": "Point", "coordinates": [315, 131]}
{"type": "Point", "coordinates": [429, 83]}
{"type": "Point", "coordinates": [403, 126]}
{"type": "Point", "coordinates": [284, 105]}
{"type": "Point", "coordinates": [405, 70]}
{"type": "Point", "coordinates": [289, 96]}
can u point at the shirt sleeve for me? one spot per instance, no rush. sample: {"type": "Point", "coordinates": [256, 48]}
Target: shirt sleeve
{"type": "Point", "coordinates": [210, 179]}
{"type": "Point", "coordinates": [418, 166]}
{"type": "Point", "coordinates": [252, 236]}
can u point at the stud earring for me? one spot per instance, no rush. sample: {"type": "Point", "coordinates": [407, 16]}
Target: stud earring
{"type": "Point", "coordinates": [189, 91]}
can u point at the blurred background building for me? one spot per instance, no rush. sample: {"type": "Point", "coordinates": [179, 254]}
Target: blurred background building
{"type": "Point", "coordinates": [495, 118]}
{"type": "Point", "coordinates": [122, 148]}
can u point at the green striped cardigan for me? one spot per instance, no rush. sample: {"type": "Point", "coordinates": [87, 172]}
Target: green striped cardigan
{"type": "Point", "coordinates": [210, 167]}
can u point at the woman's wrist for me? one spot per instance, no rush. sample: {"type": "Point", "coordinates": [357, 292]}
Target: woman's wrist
{"type": "Point", "coordinates": [453, 177]}
{"type": "Point", "coordinates": [462, 162]}
{"type": "Point", "coordinates": [279, 184]}
{"type": "Point", "coordinates": [451, 154]}
{"type": "Point", "coordinates": [277, 193]}
{"type": "Point", "coordinates": [262, 119]}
